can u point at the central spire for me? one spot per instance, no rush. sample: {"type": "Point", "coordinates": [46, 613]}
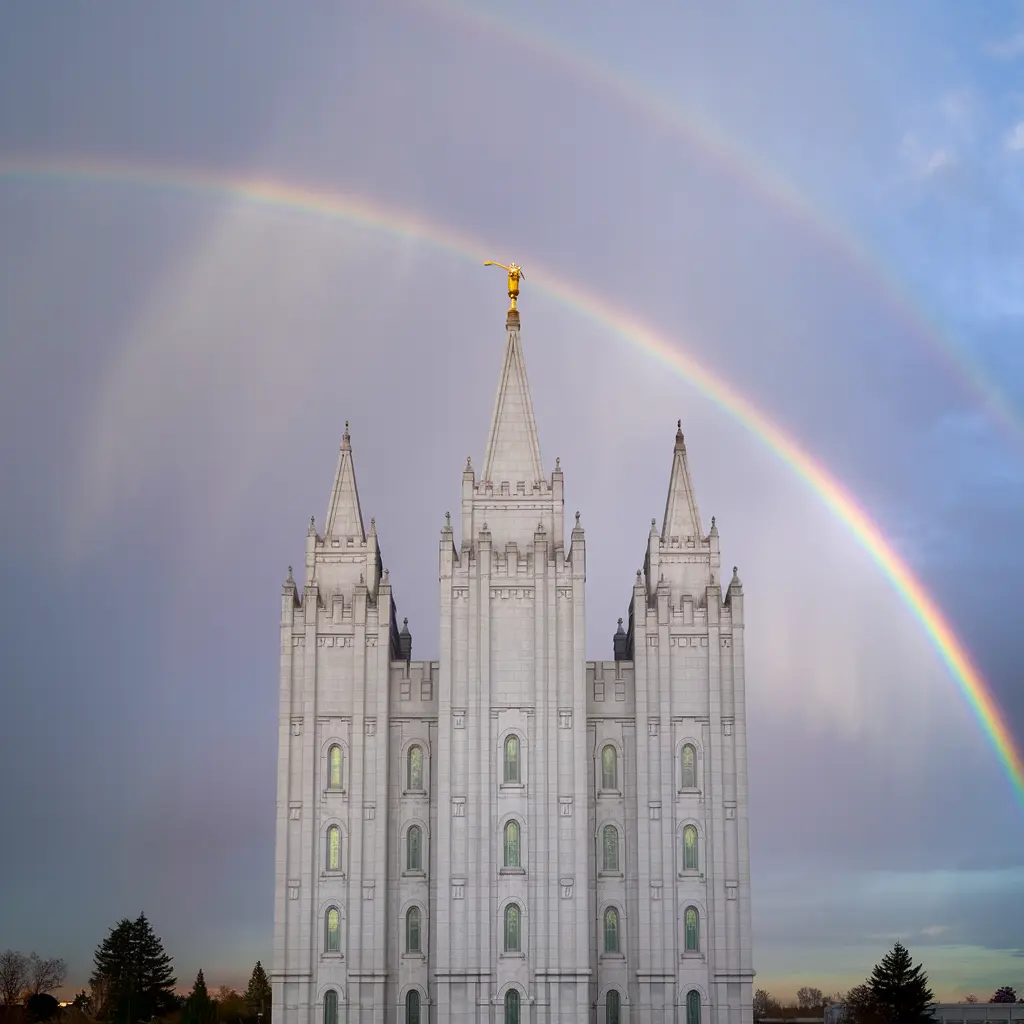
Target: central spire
{"type": "Point", "coordinates": [513, 450]}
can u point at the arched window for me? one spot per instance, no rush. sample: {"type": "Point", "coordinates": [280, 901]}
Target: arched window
{"type": "Point", "coordinates": [609, 768]}
{"type": "Point", "coordinates": [689, 759]}
{"type": "Point", "coordinates": [415, 768]}
{"type": "Point", "coordinates": [331, 1007]}
{"type": "Point", "coordinates": [412, 1007]}
{"type": "Point", "coordinates": [414, 848]}
{"type": "Point", "coordinates": [512, 759]}
{"type": "Point", "coordinates": [611, 930]}
{"type": "Point", "coordinates": [332, 936]}
{"type": "Point", "coordinates": [693, 1007]}
{"type": "Point", "coordinates": [691, 926]}
{"type": "Point", "coordinates": [511, 1007]}
{"type": "Point", "coordinates": [611, 1007]}
{"type": "Point", "coordinates": [412, 931]}
{"type": "Point", "coordinates": [513, 938]}
{"type": "Point", "coordinates": [512, 844]}
{"type": "Point", "coordinates": [334, 771]}
{"type": "Point", "coordinates": [690, 848]}
{"type": "Point", "coordinates": [334, 848]}
{"type": "Point", "coordinates": [610, 848]}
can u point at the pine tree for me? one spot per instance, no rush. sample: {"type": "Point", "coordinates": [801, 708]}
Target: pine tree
{"type": "Point", "coordinates": [257, 995]}
{"type": "Point", "coordinates": [199, 1007]}
{"type": "Point", "coordinates": [133, 976]}
{"type": "Point", "coordinates": [900, 990]}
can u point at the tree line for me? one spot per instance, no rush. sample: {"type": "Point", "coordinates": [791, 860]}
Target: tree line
{"type": "Point", "coordinates": [896, 993]}
{"type": "Point", "coordinates": [132, 981]}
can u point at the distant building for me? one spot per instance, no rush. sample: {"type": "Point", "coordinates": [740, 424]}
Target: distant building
{"type": "Point", "coordinates": [954, 1013]}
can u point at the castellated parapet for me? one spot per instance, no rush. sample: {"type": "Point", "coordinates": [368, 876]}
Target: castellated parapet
{"type": "Point", "coordinates": [512, 833]}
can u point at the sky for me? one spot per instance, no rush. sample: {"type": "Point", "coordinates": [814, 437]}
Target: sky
{"type": "Point", "coordinates": [821, 205]}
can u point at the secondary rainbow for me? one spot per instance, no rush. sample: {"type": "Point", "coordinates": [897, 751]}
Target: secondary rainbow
{"type": "Point", "coordinates": [754, 172]}
{"type": "Point", "coordinates": [365, 212]}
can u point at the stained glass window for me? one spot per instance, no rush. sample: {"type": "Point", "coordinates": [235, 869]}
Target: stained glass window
{"type": "Point", "coordinates": [609, 768]}
{"type": "Point", "coordinates": [416, 768]}
{"type": "Point", "coordinates": [334, 848]}
{"type": "Point", "coordinates": [412, 1007]}
{"type": "Point", "coordinates": [332, 943]}
{"type": "Point", "coordinates": [693, 1007]}
{"type": "Point", "coordinates": [611, 930]}
{"type": "Point", "coordinates": [610, 846]}
{"type": "Point", "coordinates": [334, 758]}
{"type": "Point", "coordinates": [689, 767]}
{"type": "Point", "coordinates": [331, 1007]}
{"type": "Point", "coordinates": [512, 939]}
{"type": "Point", "coordinates": [691, 924]}
{"type": "Point", "coordinates": [690, 848]}
{"type": "Point", "coordinates": [512, 759]}
{"type": "Point", "coordinates": [511, 1007]}
{"type": "Point", "coordinates": [412, 930]}
{"type": "Point", "coordinates": [611, 1004]}
{"type": "Point", "coordinates": [512, 844]}
{"type": "Point", "coordinates": [414, 853]}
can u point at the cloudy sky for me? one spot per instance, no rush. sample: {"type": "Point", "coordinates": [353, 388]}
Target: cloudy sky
{"type": "Point", "coordinates": [820, 205]}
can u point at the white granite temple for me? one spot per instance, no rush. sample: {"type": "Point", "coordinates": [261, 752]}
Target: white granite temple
{"type": "Point", "coordinates": [512, 834]}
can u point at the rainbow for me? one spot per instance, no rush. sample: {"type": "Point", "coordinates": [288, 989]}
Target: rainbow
{"type": "Point", "coordinates": [364, 212]}
{"type": "Point", "coordinates": [752, 172]}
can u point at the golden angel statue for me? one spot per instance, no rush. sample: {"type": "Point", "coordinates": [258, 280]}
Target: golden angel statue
{"type": "Point", "coordinates": [515, 272]}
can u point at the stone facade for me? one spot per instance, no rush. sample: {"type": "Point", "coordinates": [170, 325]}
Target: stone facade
{"type": "Point", "coordinates": [512, 833]}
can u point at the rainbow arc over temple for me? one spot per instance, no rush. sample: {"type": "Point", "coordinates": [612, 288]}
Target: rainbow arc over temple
{"type": "Point", "coordinates": [365, 212]}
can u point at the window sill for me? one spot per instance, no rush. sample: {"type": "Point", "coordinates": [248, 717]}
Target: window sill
{"type": "Point", "coordinates": [414, 956]}
{"type": "Point", "coordinates": [689, 791]}
{"type": "Point", "coordinates": [609, 874]}
{"type": "Point", "coordinates": [613, 956]}
{"type": "Point", "coordinates": [512, 871]}
{"type": "Point", "coordinates": [333, 791]}
{"type": "Point", "coordinates": [692, 874]}
{"type": "Point", "coordinates": [332, 956]}
{"type": "Point", "coordinates": [333, 874]}
{"type": "Point", "coordinates": [511, 956]}
{"type": "Point", "coordinates": [691, 954]}
{"type": "Point", "coordinates": [414, 792]}
{"type": "Point", "coordinates": [414, 874]}
{"type": "Point", "coordinates": [513, 785]}
{"type": "Point", "coordinates": [609, 792]}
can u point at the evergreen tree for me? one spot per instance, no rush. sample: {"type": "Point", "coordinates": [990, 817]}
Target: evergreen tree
{"type": "Point", "coordinates": [900, 990]}
{"type": "Point", "coordinates": [199, 1007]}
{"type": "Point", "coordinates": [257, 995]}
{"type": "Point", "coordinates": [133, 975]}
{"type": "Point", "coordinates": [1004, 995]}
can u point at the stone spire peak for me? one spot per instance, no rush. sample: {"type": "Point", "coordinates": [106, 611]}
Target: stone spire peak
{"type": "Point", "coordinates": [513, 449]}
{"type": "Point", "coordinates": [682, 517]}
{"type": "Point", "coordinates": [344, 517]}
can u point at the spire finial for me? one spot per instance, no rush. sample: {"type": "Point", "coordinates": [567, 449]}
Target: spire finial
{"type": "Point", "coordinates": [515, 272]}
{"type": "Point", "coordinates": [447, 520]}
{"type": "Point", "coordinates": [290, 579]}
{"type": "Point", "coordinates": [558, 464]}
{"type": "Point", "coordinates": [577, 520]}
{"type": "Point", "coordinates": [312, 526]}
{"type": "Point", "coordinates": [469, 462]}
{"type": "Point", "coordinates": [346, 440]}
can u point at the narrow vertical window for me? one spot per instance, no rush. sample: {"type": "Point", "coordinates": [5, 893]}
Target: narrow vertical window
{"type": "Point", "coordinates": [334, 773]}
{"type": "Point", "coordinates": [512, 937]}
{"type": "Point", "coordinates": [691, 926]}
{"type": "Point", "coordinates": [512, 759]}
{"type": "Point", "coordinates": [332, 939]}
{"type": "Point", "coordinates": [511, 1007]}
{"type": "Point", "coordinates": [610, 848]}
{"type": "Point", "coordinates": [689, 779]}
{"type": "Point", "coordinates": [334, 848]}
{"type": "Point", "coordinates": [415, 769]}
{"type": "Point", "coordinates": [331, 1007]}
{"type": "Point", "coordinates": [611, 1011]}
{"type": "Point", "coordinates": [690, 848]}
{"type": "Point", "coordinates": [414, 851]}
{"type": "Point", "coordinates": [412, 1007]}
{"type": "Point", "coordinates": [693, 1007]}
{"type": "Point", "coordinates": [512, 844]}
{"type": "Point", "coordinates": [412, 930]}
{"type": "Point", "coordinates": [609, 768]}
{"type": "Point", "coordinates": [611, 930]}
